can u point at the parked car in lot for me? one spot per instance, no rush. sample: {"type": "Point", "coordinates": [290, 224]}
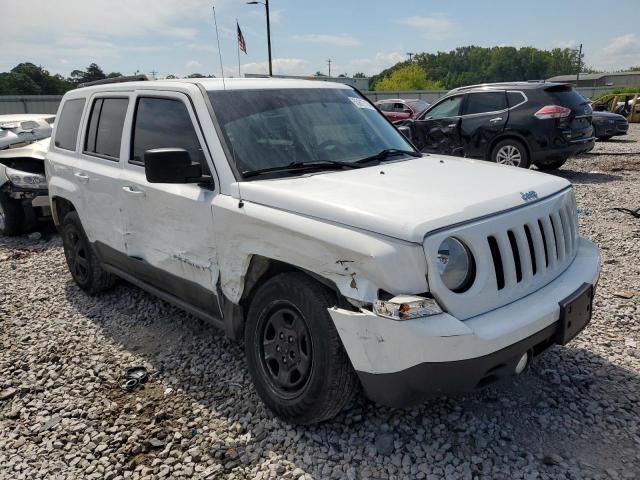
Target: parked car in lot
{"type": "Point", "coordinates": [24, 128]}
{"type": "Point", "coordinates": [24, 200]}
{"type": "Point", "coordinates": [398, 109]}
{"type": "Point", "coordinates": [516, 124]}
{"type": "Point", "coordinates": [294, 216]}
{"type": "Point", "coordinates": [607, 125]}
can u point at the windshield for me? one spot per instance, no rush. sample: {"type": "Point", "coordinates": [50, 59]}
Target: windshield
{"type": "Point", "coordinates": [277, 127]}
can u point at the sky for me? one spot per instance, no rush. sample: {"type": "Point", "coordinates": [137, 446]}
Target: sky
{"type": "Point", "coordinates": [178, 36]}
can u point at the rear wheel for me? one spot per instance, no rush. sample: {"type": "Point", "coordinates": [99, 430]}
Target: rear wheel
{"type": "Point", "coordinates": [294, 354]}
{"type": "Point", "coordinates": [510, 152]}
{"type": "Point", "coordinates": [11, 216]}
{"type": "Point", "coordinates": [551, 164]}
{"type": "Point", "coordinates": [83, 264]}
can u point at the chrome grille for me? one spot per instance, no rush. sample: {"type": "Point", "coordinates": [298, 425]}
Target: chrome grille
{"type": "Point", "coordinates": [516, 253]}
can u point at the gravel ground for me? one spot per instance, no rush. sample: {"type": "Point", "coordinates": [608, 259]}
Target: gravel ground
{"type": "Point", "coordinates": [575, 414]}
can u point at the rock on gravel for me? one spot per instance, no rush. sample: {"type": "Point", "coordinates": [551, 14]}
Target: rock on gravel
{"type": "Point", "coordinates": [574, 415]}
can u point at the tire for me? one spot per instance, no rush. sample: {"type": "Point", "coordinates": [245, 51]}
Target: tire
{"type": "Point", "coordinates": [11, 216]}
{"type": "Point", "coordinates": [510, 152]}
{"type": "Point", "coordinates": [551, 165]}
{"type": "Point", "coordinates": [311, 379]}
{"type": "Point", "coordinates": [83, 263]}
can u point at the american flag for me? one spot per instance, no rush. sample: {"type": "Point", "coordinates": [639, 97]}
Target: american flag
{"type": "Point", "coordinates": [241, 43]}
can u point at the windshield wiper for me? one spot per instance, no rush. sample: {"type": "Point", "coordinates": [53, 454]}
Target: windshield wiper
{"type": "Point", "coordinates": [295, 166]}
{"type": "Point", "coordinates": [386, 153]}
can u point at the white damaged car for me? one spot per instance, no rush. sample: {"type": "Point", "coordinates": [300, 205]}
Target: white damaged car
{"type": "Point", "coordinates": [294, 216]}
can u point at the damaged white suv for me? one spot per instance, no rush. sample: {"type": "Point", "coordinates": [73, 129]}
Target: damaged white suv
{"type": "Point", "coordinates": [293, 215]}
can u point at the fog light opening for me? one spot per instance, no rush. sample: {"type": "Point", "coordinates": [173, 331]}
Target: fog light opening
{"type": "Point", "coordinates": [522, 363]}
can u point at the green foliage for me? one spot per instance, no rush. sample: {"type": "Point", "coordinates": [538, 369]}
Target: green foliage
{"type": "Point", "coordinates": [29, 79]}
{"type": "Point", "coordinates": [408, 77]}
{"type": "Point", "coordinates": [196, 75]}
{"type": "Point", "coordinates": [359, 75]}
{"type": "Point", "coordinates": [471, 65]}
{"type": "Point", "coordinates": [614, 91]}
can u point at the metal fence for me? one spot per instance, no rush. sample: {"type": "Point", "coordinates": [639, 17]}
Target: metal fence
{"type": "Point", "coordinates": [49, 103]}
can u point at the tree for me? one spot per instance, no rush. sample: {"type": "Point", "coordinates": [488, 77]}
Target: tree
{"type": "Point", "coordinates": [409, 77]}
{"type": "Point", "coordinates": [359, 75]}
{"type": "Point", "coordinates": [319, 74]}
{"type": "Point", "coordinates": [196, 75]}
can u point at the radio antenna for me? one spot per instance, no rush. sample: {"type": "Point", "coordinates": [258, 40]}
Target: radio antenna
{"type": "Point", "coordinates": [215, 20]}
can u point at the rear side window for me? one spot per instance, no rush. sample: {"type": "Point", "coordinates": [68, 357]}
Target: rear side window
{"type": "Point", "coordinates": [164, 123]}
{"type": "Point", "coordinates": [105, 127]}
{"type": "Point", "coordinates": [565, 96]}
{"type": "Point", "coordinates": [515, 98]}
{"type": "Point", "coordinates": [485, 102]}
{"type": "Point", "coordinates": [69, 123]}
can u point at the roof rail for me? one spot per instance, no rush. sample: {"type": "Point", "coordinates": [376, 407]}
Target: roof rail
{"type": "Point", "coordinates": [130, 78]}
{"type": "Point", "coordinates": [478, 85]}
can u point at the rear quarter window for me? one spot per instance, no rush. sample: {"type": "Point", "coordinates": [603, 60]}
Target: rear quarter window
{"type": "Point", "coordinates": [69, 124]}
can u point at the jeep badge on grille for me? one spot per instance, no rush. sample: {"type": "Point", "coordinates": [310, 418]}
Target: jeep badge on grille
{"type": "Point", "coordinates": [529, 196]}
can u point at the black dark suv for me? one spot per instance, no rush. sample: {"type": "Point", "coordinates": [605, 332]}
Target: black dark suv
{"type": "Point", "coordinates": [516, 124]}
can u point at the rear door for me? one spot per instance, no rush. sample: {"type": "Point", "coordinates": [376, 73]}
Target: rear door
{"type": "Point", "coordinates": [484, 116]}
{"type": "Point", "coordinates": [98, 169]}
{"type": "Point", "coordinates": [438, 129]}
{"type": "Point", "coordinates": [168, 227]}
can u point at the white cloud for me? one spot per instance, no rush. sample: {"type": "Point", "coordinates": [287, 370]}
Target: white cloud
{"type": "Point", "coordinates": [436, 27]}
{"type": "Point", "coordinates": [338, 40]}
{"type": "Point", "coordinates": [275, 15]}
{"type": "Point", "coordinates": [375, 64]}
{"type": "Point", "coordinates": [621, 52]}
{"type": "Point", "coordinates": [193, 65]}
{"type": "Point", "coordinates": [281, 66]}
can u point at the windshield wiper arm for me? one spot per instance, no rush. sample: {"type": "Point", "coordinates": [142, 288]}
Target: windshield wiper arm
{"type": "Point", "coordinates": [293, 166]}
{"type": "Point", "coordinates": [386, 153]}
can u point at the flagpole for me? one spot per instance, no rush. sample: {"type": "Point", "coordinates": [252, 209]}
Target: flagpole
{"type": "Point", "coordinates": [238, 46]}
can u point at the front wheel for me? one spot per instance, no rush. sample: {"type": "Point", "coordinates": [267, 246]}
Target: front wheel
{"type": "Point", "coordinates": [11, 216]}
{"type": "Point", "coordinates": [510, 152]}
{"type": "Point", "coordinates": [295, 358]}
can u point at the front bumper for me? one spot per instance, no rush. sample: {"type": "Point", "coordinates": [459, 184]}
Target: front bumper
{"type": "Point", "coordinates": [402, 363]}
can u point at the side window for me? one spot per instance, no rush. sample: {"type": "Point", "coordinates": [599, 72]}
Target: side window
{"type": "Point", "coordinates": [399, 107]}
{"type": "Point", "coordinates": [164, 123]}
{"type": "Point", "coordinates": [385, 107]}
{"type": "Point", "coordinates": [485, 102]}
{"type": "Point", "coordinates": [69, 123]}
{"type": "Point", "coordinates": [515, 98]}
{"type": "Point", "coordinates": [449, 107]}
{"type": "Point", "coordinates": [104, 133]}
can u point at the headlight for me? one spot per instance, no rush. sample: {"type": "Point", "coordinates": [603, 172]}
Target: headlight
{"type": "Point", "coordinates": [456, 265]}
{"type": "Point", "coordinates": [26, 179]}
{"type": "Point", "coordinates": [405, 307]}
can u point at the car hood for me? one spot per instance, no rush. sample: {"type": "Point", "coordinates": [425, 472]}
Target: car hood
{"type": "Point", "coordinates": [36, 150]}
{"type": "Point", "coordinates": [607, 116]}
{"type": "Point", "coordinates": [405, 199]}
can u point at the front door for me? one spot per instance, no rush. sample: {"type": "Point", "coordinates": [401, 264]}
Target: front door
{"type": "Point", "coordinates": [438, 129]}
{"type": "Point", "coordinates": [168, 227]}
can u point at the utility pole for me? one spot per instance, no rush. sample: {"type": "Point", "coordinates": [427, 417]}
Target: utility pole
{"type": "Point", "coordinates": [329, 62]}
{"type": "Point", "coordinates": [579, 66]}
{"type": "Point", "coordinates": [153, 74]}
{"type": "Point", "coordinates": [411, 54]}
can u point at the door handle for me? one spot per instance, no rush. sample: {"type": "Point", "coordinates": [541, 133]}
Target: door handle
{"type": "Point", "coordinates": [133, 190]}
{"type": "Point", "coordinates": [494, 120]}
{"type": "Point", "coordinates": [82, 177]}
{"type": "Point", "coordinates": [452, 125]}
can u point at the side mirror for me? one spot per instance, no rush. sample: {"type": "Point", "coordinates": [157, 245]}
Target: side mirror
{"type": "Point", "coordinates": [171, 165]}
{"type": "Point", "coordinates": [406, 131]}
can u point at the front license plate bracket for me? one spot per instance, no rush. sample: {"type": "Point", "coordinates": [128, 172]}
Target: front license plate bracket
{"type": "Point", "coordinates": [575, 313]}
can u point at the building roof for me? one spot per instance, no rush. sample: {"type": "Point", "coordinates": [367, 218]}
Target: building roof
{"type": "Point", "coordinates": [590, 76]}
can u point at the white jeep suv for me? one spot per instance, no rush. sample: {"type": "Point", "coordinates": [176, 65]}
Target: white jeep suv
{"type": "Point", "coordinates": [293, 215]}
